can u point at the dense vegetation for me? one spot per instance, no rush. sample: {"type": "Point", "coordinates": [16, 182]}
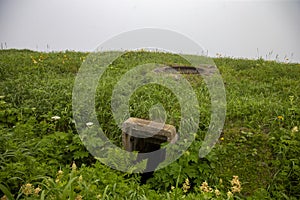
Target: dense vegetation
{"type": "Point", "coordinates": [42, 157]}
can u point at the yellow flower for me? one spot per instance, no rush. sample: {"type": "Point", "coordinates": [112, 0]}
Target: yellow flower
{"type": "Point", "coordinates": [229, 194]}
{"type": "Point", "coordinates": [74, 167]}
{"type": "Point", "coordinates": [59, 175]}
{"type": "Point", "coordinates": [33, 60]}
{"type": "Point", "coordinates": [295, 129]}
{"type": "Point", "coordinates": [27, 189]}
{"type": "Point", "coordinates": [235, 180]}
{"type": "Point", "coordinates": [187, 181]}
{"type": "Point", "coordinates": [217, 192]}
{"type": "Point", "coordinates": [60, 172]}
{"type": "Point", "coordinates": [205, 188]}
{"type": "Point", "coordinates": [236, 184]}
{"type": "Point", "coordinates": [80, 178]}
{"type": "Point", "coordinates": [79, 197]}
{"type": "Point", "coordinates": [186, 185]}
{"type": "Point", "coordinates": [280, 117]}
{"type": "Point", "coordinates": [235, 189]}
{"type": "Point", "coordinates": [37, 191]}
{"type": "Point", "coordinates": [222, 138]}
{"type": "Point", "coordinates": [4, 198]}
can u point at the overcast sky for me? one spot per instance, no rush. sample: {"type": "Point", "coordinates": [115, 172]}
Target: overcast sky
{"type": "Point", "coordinates": [232, 28]}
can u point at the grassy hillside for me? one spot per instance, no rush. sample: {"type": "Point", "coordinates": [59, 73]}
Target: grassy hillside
{"type": "Point", "coordinates": [43, 158]}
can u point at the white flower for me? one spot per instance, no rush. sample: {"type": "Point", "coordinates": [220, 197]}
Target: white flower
{"type": "Point", "coordinates": [89, 124]}
{"type": "Point", "coordinates": [55, 118]}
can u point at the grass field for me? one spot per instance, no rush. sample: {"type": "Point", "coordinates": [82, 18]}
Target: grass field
{"type": "Point", "coordinates": [256, 157]}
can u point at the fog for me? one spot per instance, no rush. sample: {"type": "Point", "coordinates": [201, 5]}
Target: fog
{"type": "Point", "coordinates": [249, 29]}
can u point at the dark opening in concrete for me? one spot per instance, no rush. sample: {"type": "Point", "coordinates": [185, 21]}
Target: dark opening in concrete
{"type": "Point", "coordinates": [146, 136]}
{"type": "Point", "coordinates": [204, 70]}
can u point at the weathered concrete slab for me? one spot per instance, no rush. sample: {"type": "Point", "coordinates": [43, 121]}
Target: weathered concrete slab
{"type": "Point", "coordinates": [146, 136]}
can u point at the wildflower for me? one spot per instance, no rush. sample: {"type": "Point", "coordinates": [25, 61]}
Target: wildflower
{"type": "Point", "coordinates": [99, 196]}
{"type": "Point", "coordinates": [235, 181]}
{"type": "Point", "coordinates": [55, 117]}
{"type": "Point", "coordinates": [172, 188]}
{"type": "Point", "coordinates": [280, 118]}
{"type": "Point", "coordinates": [222, 138]}
{"type": "Point", "coordinates": [4, 198]}
{"type": "Point", "coordinates": [235, 189]}
{"type": "Point", "coordinates": [80, 178]}
{"type": "Point", "coordinates": [217, 192]}
{"type": "Point", "coordinates": [89, 124]}
{"type": "Point", "coordinates": [74, 167]}
{"type": "Point", "coordinates": [33, 60]}
{"type": "Point", "coordinates": [205, 188]}
{"type": "Point", "coordinates": [27, 189]}
{"type": "Point", "coordinates": [60, 172]}
{"type": "Point", "coordinates": [236, 185]}
{"type": "Point", "coordinates": [37, 191]}
{"type": "Point", "coordinates": [78, 197]}
{"type": "Point", "coordinates": [229, 195]}
{"type": "Point", "coordinates": [58, 176]}
{"type": "Point", "coordinates": [186, 185]}
{"type": "Point", "coordinates": [295, 129]}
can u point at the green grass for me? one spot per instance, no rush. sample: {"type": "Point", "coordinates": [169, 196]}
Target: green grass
{"type": "Point", "coordinates": [257, 144]}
